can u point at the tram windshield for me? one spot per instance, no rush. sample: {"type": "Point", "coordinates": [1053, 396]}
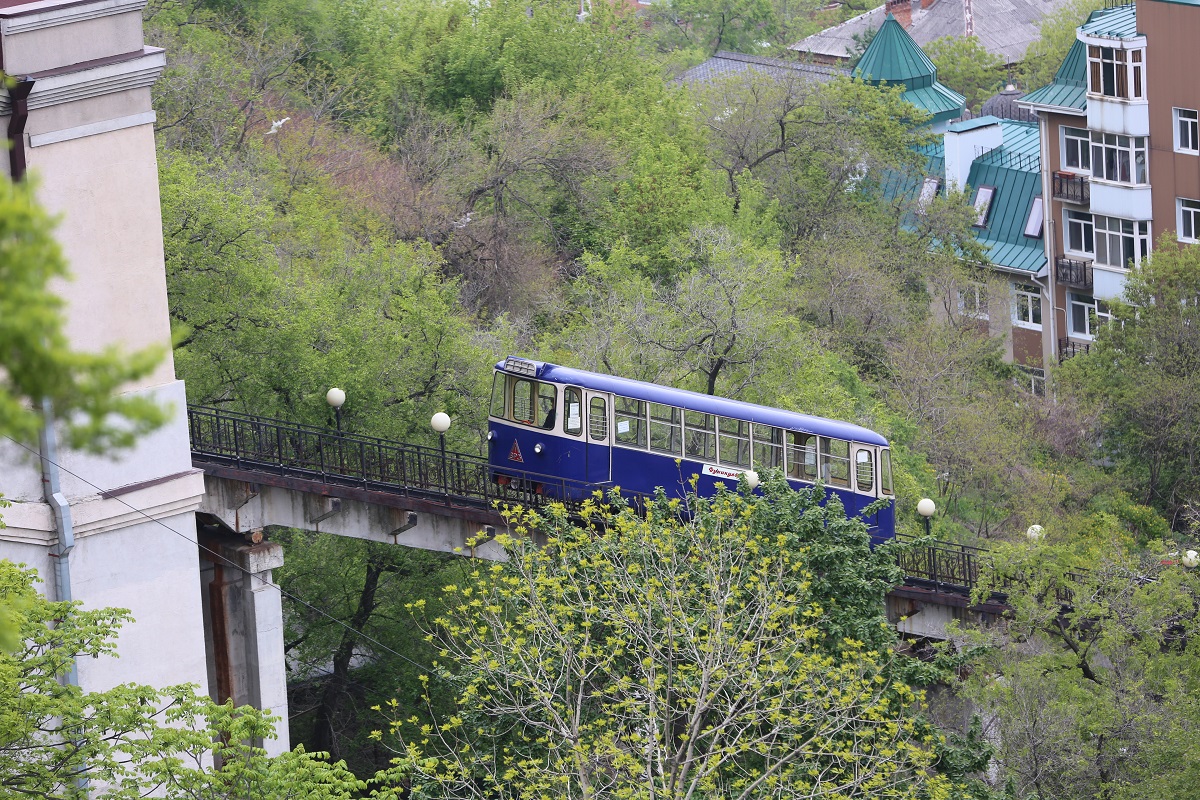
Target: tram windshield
{"type": "Point", "coordinates": [525, 401]}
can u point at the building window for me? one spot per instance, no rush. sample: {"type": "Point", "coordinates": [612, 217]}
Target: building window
{"type": "Point", "coordinates": [1027, 307]}
{"type": "Point", "coordinates": [1119, 158]}
{"type": "Point", "coordinates": [1187, 222]}
{"type": "Point", "coordinates": [1086, 315]}
{"type": "Point", "coordinates": [1120, 241]}
{"type": "Point", "coordinates": [1080, 233]}
{"type": "Point", "coordinates": [1032, 379]}
{"type": "Point", "coordinates": [1077, 150]}
{"type": "Point", "coordinates": [1186, 138]}
{"type": "Point", "coordinates": [929, 190]}
{"type": "Point", "coordinates": [1115, 73]}
{"type": "Point", "coordinates": [1033, 225]}
{"type": "Point", "coordinates": [983, 204]}
{"type": "Point", "coordinates": [972, 301]}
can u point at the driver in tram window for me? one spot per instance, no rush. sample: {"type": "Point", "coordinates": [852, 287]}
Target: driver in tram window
{"type": "Point", "coordinates": [546, 408]}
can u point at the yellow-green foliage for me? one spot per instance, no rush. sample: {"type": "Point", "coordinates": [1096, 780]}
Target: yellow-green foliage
{"type": "Point", "coordinates": [702, 649]}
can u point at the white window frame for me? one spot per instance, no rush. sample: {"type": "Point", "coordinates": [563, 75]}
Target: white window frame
{"type": "Point", "coordinates": [1083, 220]}
{"type": "Point", "coordinates": [1125, 149]}
{"type": "Point", "coordinates": [1096, 314]}
{"type": "Point", "coordinates": [1036, 218]}
{"type": "Point", "coordinates": [1035, 379]}
{"type": "Point", "coordinates": [929, 190]}
{"type": "Point", "coordinates": [1189, 117]}
{"type": "Point", "coordinates": [1083, 142]}
{"type": "Point", "coordinates": [1130, 62]}
{"type": "Point", "coordinates": [984, 197]}
{"type": "Point", "coordinates": [1109, 230]}
{"type": "Point", "coordinates": [973, 301]}
{"type": "Point", "coordinates": [1027, 299]}
{"type": "Point", "coordinates": [1192, 209]}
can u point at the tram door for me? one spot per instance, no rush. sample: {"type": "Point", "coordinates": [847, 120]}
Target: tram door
{"type": "Point", "coordinates": [865, 478]}
{"type": "Point", "coordinates": [599, 453]}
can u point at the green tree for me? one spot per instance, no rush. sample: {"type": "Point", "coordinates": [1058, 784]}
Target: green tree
{"type": "Point", "coordinates": [37, 362]}
{"type": "Point", "coordinates": [57, 741]}
{"type": "Point", "coordinates": [712, 25]}
{"type": "Point", "coordinates": [737, 652]}
{"type": "Point", "coordinates": [1046, 53]}
{"type": "Point", "coordinates": [967, 67]}
{"type": "Point", "coordinates": [1144, 374]}
{"type": "Point", "coordinates": [1092, 679]}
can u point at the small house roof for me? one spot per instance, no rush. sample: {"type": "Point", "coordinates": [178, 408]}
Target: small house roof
{"type": "Point", "coordinates": [1005, 28]}
{"type": "Point", "coordinates": [724, 63]}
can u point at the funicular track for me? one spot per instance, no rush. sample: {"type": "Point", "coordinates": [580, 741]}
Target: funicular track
{"type": "Point", "coordinates": [317, 460]}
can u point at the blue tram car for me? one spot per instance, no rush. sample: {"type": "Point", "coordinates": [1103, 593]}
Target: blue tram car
{"type": "Point", "coordinates": [568, 431]}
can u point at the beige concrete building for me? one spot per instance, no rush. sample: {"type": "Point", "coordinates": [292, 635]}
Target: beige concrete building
{"type": "Point", "coordinates": [81, 120]}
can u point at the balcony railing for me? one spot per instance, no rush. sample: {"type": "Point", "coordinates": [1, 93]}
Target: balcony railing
{"type": "Point", "coordinates": [1073, 272]}
{"type": "Point", "coordinates": [1072, 188]}
{"type": "Point", "coordinates": [1068, 349]}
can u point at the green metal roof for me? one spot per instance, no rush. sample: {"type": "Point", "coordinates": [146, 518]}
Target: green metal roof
{"type": "Point", "coordinates": [893, 56]}
{"type": "Point", "coordinates": [1014, 169]}
{"type": "Point", "coordinates": [942, 103]}
{"type": "Point", "coordinates": [1069, 89]}
{"type": "Point", "coordinates": [1119, 22]}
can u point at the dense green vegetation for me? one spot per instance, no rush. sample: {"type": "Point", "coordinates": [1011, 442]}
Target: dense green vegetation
{"type": "Point", "coordinates": [390, 196]}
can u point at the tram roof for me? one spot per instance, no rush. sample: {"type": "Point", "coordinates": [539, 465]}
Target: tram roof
{"type": "Point", "coordinates": [704, 403]}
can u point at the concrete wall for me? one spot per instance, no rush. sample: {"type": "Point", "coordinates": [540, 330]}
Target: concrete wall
{"type": "Point", "coordinates": [89, 141]}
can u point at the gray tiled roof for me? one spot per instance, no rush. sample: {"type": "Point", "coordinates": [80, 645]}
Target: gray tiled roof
{"type": "Point", "coordinates": [1004, 27]}
{"type": "Point", "coordinates": [726, 63]}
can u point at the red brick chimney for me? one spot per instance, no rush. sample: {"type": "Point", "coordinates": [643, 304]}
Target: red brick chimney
{"type": "Point", "coordinates": [902, 11]}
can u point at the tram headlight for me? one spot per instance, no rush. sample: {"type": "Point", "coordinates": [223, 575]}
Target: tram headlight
{"type": "Point", "coordinates": [537, 448]}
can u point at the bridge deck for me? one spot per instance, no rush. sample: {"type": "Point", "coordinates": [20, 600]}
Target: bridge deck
{"type": "Point", "coordinates": [417, 478]}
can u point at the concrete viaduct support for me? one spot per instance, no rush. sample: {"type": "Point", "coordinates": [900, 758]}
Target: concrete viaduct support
{"type": "Point", "coordinates": [245, 503]}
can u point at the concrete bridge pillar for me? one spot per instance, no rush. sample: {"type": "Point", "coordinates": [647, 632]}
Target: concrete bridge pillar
{"type": "Point", "coordinates": [243, 630]}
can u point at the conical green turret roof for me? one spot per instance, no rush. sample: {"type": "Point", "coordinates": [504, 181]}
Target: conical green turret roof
{"type": "Point", "coordinates": [894, 57]}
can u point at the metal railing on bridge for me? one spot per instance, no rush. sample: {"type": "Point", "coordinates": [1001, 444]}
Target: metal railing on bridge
{"type": "Point", "coordinates": [241, 441]}
{"type": "Point", "coordinates": [308, 453]}
{"type": "Point", "coordinates": [944, 565]}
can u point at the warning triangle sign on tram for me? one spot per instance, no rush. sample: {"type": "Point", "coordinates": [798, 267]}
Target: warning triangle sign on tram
{"type": "Point", "coordinates": [515, 453]}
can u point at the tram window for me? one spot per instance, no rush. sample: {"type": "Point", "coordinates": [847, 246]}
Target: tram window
{"type": "Point", "coordinates": [631, 421]}
{"type": "Point", "coordinates": [545, 408]}
{"type": "Point", "coordinates": [573, 404]}
{"type": "Point", "coordinates": [701, 435]}
{"type": "Point", "coordinates": [835, 461]}
{"type": "Point", "coordinates": [802, 456]}
{"type": "Point", "coordinates": [598, 419]}
{"type": "Point", "coordinates": [865, 471]}
{"type": "Point", "coordinates": [768, 447]}
{"type": "Point", "coordinates": [499, 382]}
{"type": "Point", "coordinates": [523, 401]}
{"type": "Point", "coordinates": [885, 472]}
{"type": "Point", "coordinates": [665, 432]}
{"type": "Point", "coordinates": [733, 442]}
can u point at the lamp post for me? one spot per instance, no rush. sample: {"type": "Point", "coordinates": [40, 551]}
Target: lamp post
{"type": "Point", "coordinates": [752, 479]}
{"type": "Point", "coordinates": [1191, 559]}
{"type": "Point", "coordinates": [926, 508]}
{"type": "Point", "coordinates": [336, 398]}
{"type": "Point", "coordinates": [441, 423]}
{"type": "Point", "coordinates": [1034, 532]}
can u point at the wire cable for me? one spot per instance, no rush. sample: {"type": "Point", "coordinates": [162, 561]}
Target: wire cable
{"type": "Point", "coordinates": [283, 592]}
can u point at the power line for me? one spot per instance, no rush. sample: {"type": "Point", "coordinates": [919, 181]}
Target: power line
{"type": "Point", "coordinates": [283, 592]}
